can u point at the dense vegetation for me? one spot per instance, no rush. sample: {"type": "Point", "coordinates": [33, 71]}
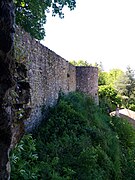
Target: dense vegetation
{"type": "Point", "coordinates": [78, 141]}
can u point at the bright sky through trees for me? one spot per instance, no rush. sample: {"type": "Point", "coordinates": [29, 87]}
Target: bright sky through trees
{"type": "Point", "coordinates": [97, 30]}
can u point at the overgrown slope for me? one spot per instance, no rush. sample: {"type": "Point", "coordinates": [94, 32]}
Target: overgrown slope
{"type": "Point", "coordinates": [78, 141]}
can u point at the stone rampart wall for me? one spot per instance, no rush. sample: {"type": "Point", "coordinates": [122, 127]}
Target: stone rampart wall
{"type": "Point", "coordinates": [49, 74]}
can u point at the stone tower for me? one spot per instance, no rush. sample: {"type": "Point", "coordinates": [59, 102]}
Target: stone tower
{"type": "Point", "coordinates": [87, 81]}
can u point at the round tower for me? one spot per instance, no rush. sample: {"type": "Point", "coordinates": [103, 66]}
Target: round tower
{"type": "Point", "coordinates": [87, 81]}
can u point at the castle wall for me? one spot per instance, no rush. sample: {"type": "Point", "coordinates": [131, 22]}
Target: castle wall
{"type": "Point", "coordinates": [48, 75]}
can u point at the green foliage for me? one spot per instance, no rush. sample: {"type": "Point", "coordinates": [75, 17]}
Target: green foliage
{"type": "Point", "coordinates": [110, 78]}
{"type": "Point", "coordinates": [24, 160]}
{"type": "Point", "coordinates": [132, 106]}
{"type": "Point", "coordinates": [109, 97]}
{"type": "Point", "coordinates": [113, 76]}
{"type": "Point", "coordinates": [103, 78]}
{"type": "Point", "coordinates": [31, 14]}
{"type": "Point", "coordinates": [123, 85]}
{"type": "Point", "coordinates": [77, 141]}
{"type": "Point", "coordinates": [80, 63]}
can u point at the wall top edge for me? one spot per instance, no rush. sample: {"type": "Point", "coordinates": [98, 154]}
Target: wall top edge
{"type": "Point", "coordinates": [87, 67]}
{"type": "Point", "coordinates": [24, 33]}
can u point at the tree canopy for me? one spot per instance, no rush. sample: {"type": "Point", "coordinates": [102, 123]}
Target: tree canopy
{"type": "Point", "coordinates": [31, 14]}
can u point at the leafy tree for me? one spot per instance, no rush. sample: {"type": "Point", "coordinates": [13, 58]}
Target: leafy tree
{"type": "Point", "coordinates": [109, 78]}
{"type": "Point", "coordinates": [109, 97]}
{"type": "Point", "coordinates": [130, 73]}
{"type": "Point", "coordinates": [125, 84]}
{"type": "Point", "coordinates": [113, 75]}
{"type": "Point", "coordinates": [121, 84]}
{"type": "Point", "coordinates": [31, 14]}
{"type": "Point", "coordinates": [102, 78]}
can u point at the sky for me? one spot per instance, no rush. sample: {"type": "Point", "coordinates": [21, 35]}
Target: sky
{"type": "Point", "coordinates": [96, 31]}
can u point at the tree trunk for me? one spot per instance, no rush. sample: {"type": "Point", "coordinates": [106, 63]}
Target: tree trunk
{"type": "Point", "coordinates": [6, 83]}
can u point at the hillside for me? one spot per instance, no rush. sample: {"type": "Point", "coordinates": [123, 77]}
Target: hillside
{"type": "Point", "coordinates": [77, 141]}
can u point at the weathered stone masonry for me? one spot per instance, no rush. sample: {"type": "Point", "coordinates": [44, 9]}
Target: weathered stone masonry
{"type": "Point", "coordinates": [49, 74]}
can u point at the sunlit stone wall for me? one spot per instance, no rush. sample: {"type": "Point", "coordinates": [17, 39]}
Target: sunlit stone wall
{"type": "Point", "coordinates": [49, 75]}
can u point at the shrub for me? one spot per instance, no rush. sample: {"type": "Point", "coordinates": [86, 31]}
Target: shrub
{"type": "Point", "coordinates": [24, 160]}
